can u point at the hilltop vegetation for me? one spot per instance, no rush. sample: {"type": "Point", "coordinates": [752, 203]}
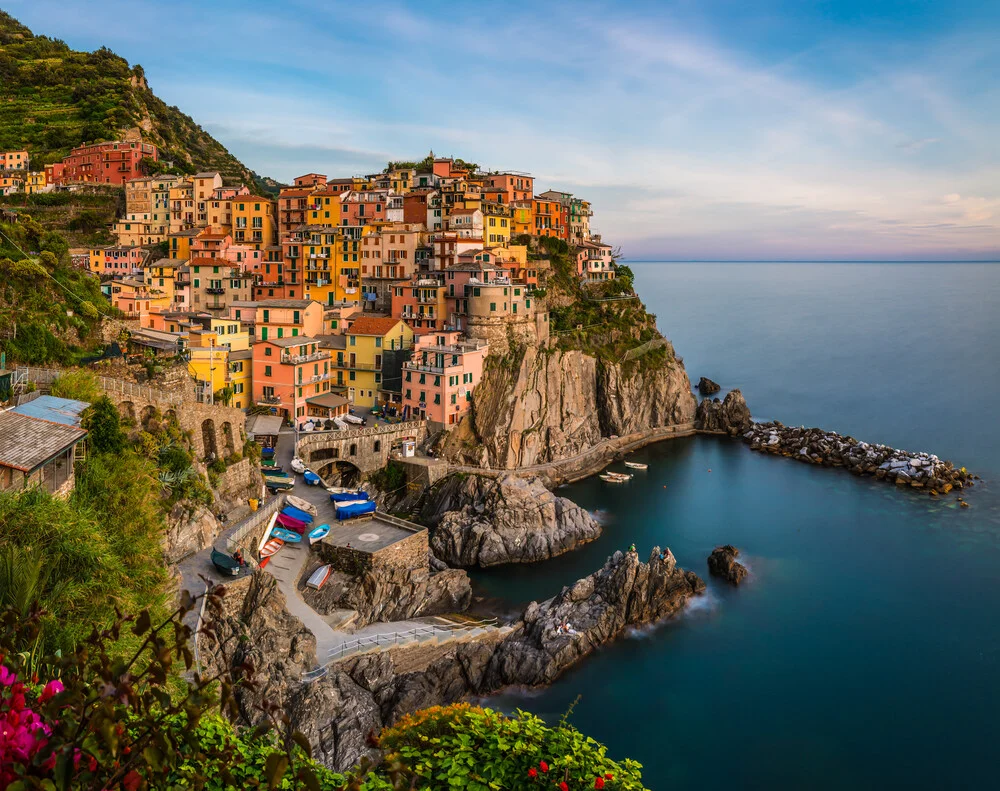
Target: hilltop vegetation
{"type": "Point", "coordinates": [50, 312]}
{"type": "Point", "coordinates": [53, 98]}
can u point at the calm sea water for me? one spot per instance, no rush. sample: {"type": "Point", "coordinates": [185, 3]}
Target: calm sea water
{"type": "Point", "coordinates": [865, 652]}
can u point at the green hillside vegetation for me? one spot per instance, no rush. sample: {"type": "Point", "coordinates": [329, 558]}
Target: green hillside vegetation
{"type": "Point", "coordinates": [83, 217]}
{"type": "Point", "coordinates": [53, 98]}
{"type": "Point", "coordinates": [50, 311]}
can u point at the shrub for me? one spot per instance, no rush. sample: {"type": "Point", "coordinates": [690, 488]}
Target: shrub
{"type": "Point", "coordinates": [79, 385]}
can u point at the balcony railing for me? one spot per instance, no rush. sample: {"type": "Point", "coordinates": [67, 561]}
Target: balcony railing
{"type": "Point", "coordinates": [356, 366]}
{"type": "Point", "coordinates": [215, 290]}
{"type": "Point", "coordinates": [430, 369]}
{"type": "Point", "coordinates": [294, 359]}
{"type": "Point", "coordinates": [269, 400]}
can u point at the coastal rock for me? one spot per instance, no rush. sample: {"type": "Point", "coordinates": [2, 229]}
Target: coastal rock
{"type": "Point", "coordinates": [190, 529]}
{"type": "Point", "coordinates": [730, 416]}
{"type": "Point", "coordinates": [390, 593]}
{"type": "Point", "coordinates": [707, 386]}
{"type": "Point", "coordinates": [829, 449]}
{"type": "Point", "coordinates": [538, 405]}
{"type": "Point", "coordinates": [482, 521]}
{"type": "Point", "coordinates": [723, 563]}
{"type": "Point", "coordinates": [361, 694]}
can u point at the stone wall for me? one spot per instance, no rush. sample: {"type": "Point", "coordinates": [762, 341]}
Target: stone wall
{"type": "Point", "coordinates": [369, 449]}
{"type": "Point", "coordinates": [405, 554]}
{"type": "Point", "coordinates": [234, 488]}
{"type": "Point", "coordinates": [498, 331]}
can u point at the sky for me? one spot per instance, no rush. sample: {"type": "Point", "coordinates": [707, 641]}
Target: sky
{"type": "Point", "coordinates": [767, 130]}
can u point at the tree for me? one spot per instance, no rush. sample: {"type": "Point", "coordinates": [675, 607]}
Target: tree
{"type": "Point", "coordinates": [105, 426]}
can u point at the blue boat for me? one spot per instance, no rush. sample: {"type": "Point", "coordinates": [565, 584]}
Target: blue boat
{"type": "Point", "coordinates": [348, 497]}
{"type": "Point", "coordinates": [318, 533]}
{"type": "Point", "coordinates": [312, 478]}
{"type": "Point", "coordinates": [297, 513]}
{"type": "Point", "coordinates": [287, 536]}
{"type": "Point", "coordinates": [272, 473]}
{"type": "Point", "coordinates": [267, 452]}
{"type": "Point", "coordinates": [355, 509]}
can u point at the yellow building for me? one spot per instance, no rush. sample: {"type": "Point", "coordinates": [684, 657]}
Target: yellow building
{"type": "Point", "coordinates": [496, 224]}
{"type": "Point", "coordinates": [324, 208]}
{"type": "Point", "coordinates": [219, 357]}
{"type": "Point", "coordinates": [179, 243]}
{"type": "Point", "coordinates": [523, 219]}
{"type": "Point", "coordinates": [181, 198]}
{"type": "Point", "coordinates": [331, 268]}
{"type": "Point", "coordinates": [35, 182]}
{"type": "Point", "coordinates": [359, 365]}
{"type": "Point", "coordinates": [253, 221]}
{"type": "Point", "coordinates": [241, 378]}
{"type": "Point", "coordinates": [208, 362]}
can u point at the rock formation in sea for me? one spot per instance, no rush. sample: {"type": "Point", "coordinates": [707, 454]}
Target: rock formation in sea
{"type": "Point", "coordinates": [829, 449]}
{"type": "Point", "coordinates": [707, 387]}
{"type": "Point", "coordinates": [730, 416]}
{"type": "Point", "coordinates": [337, 709]}
{"type": "Point", "coordinates": [537, 405]}
{"type": "Point", "coordinates": [484, 521]}
{"type": "Point", "coordinates": [723, 563]}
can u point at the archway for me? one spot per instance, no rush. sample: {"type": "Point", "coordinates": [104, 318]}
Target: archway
{"type": "Point", "coordinates": [127, 409]}
{"type": "Point", "coordinates": [323, 454]}
{"type": "Point", "coordinates": [208, 440]}
{"type": "Point", "coordinates": [227, 436]}
{"type": "Point", "coordinates": [148, 413]}
{"type": "Point", "coordinates": [340, 473]}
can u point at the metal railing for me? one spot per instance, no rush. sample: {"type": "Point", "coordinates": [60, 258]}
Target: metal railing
{"type": "Point", "coordinates": [379, 642]}
{"type": "Point", "coordinates": [252, 522]}
{"type": "Point", "coordinates": [47, 376]}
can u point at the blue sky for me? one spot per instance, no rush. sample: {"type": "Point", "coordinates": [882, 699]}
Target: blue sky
{"type": "Point", "coordinates": [734, 130]}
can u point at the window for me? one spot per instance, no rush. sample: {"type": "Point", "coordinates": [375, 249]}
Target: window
{"type": "Point", "coordinates": [267, 316]}
{"type": "Point", "coordinates": [197, 283]}
{"type": "Point", "coordinates": [295, 317]}
{"type": "Point", "coordinates": [437, 398]}
{"type": "Point", "coordinates": [378, 343]}
{"type": "Point", "coordinates": [453, 398]}
{"type": "Point", "coordinates": [493, 306]}
{"type": "Point", "coordinates": [351, 376]}
{"type": "Point", "coordinates": [475, 291]}
{"type": "Point", "coordinates": [354, 340]}
{"type": "Point", "coordinates": [267, 370]}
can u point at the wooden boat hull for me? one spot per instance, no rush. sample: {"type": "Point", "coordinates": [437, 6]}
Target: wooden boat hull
{"type": "Point", "coordinates": [288, 536]}
{"type": "Point", "coordinates": [636, 465]}
{"type": "Point", "coordinates": [318, 533]}
{"type": "Point", "coordinates": [298, 502]}
{"type": "Point", "coordinates": [319, 577]}
{"type": "Point", "coordinates": [271, 547]}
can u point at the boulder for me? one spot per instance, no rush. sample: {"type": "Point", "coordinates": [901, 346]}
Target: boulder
{"type": "Point", "coordinates": [730, 416]}
{"type": "Point", "coordinates": [722, 563]}
{"type": "Point", "coordinates": [707, 386]}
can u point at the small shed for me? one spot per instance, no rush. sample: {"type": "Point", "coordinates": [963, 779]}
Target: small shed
{"type": "Point", "coordinates": [37, 452]}
{"type": "Point", "coordinates": [264, 429]}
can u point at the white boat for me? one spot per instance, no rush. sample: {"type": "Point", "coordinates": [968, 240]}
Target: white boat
{"type": "Point", "coordinates": [318, 534]}
{"type": "Point", "coordinates": [612, 478]}
{"type": "Point", "coordinates": [340, 424]}
{"type": "Point", "coordinates": [302, 505]}
{"type": "Point", "coordinates": [635, 465]}
{"type": "Point", "coordinates": [267, 533]}
{"type": "Point", "coordinates": [319, 577]}
{"type": "Point", "coordinates": [298, 465]}
{"type": "Point", "coordinates": [352, 419]}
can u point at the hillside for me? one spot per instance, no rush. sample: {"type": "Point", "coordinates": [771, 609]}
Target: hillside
{"type": "Point", "coordinates": [53, 98]}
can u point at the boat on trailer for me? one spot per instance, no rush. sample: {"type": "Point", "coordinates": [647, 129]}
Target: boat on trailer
{"type": "Point", "coordinates": [636, 465]}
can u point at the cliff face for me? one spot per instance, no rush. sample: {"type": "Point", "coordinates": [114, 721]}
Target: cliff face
{"type": "Point", "coordinates": [545, 405]}
{"type": "Point", "coordinates": [482, 521]}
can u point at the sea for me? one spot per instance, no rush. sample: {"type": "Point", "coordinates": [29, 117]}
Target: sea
{"type": "Point", "coordinates": [864, 651]}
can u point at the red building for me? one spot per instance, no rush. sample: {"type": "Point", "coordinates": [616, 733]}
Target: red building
{"type": "Point", "coordinates": [114, 162]}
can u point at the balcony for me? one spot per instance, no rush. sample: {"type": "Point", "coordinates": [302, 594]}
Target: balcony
{"type": "Point", "coordinates": [356, 366]}
{"type": "Point", "coordinates": [269, 400]}
{"type": "Point", "coordinates": [314, 379]}
{"type": "Point", "coordinates": [295, 359]}
{"type": "Point", "coordinates": [429, 369]}
{"type": "Point", "coordinates": [215, 291]}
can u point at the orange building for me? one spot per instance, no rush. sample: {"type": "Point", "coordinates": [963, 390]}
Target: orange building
{"type": "Point", "coordinates": [287, 372]}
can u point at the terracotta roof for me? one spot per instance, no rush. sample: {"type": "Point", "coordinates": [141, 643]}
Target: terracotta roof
{"type": "Point", "coordinates": [372, 325]}
{"type": "Point", "coordinates": [27, 442]}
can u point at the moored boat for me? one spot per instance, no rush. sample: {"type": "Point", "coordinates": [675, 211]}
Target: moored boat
{"type": "Point", "coordinates": [311, 478]}
{"type": "Point", "coordinates": [298, 465]}
{"type": "Point", "coordinates": [300, 503]}
{"type": "Point", "coordinates": [288, 536]}
{"type": "Point", "coordinates": [279, 484]}
{"type": "Point", "coordinates": [297, 513]}
{"type": "Point", "coordinates": [635, 465]}
{"type": "Point", "coordinates": [271, 547]}
{"type": "Point", "coordinates": [615, 477]}
{"type": "Point", "coordinates": [349, 495]}
{"type": "Point", "coordinates": [319, 577]}
{"type": "Point", "coordinates": [318, 533]}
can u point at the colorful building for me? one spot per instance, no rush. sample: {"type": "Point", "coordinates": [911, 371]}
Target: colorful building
{"type": "Point", "coordinates": [422, 304]}
{"type": "Point", "coordinates": [551, 217]}
{"type": "Point", "coordinates": [215, 283]}
{"type": "Point", "coordinates": [116, 261]}
{"type": "Point", "coordinates": [36, 182]}
{"type": "Point", "coordinates": [11, 184]}
{"type": "Point", "coordinates": [288, 371]}
{"type": "Point", "coordinates": [288, 318]}
{"type": "Point", "coordinates": [440, 377]}
{"type": "Point", "coordinates": [368, 342]}
{"type": "Point", "coordinates": [514, 186]}
{"type": "Point", "coordinates": [594, 261]}
{"type": "Point", "coordinates": [253, 221]}
{"type": "Point", "coordinates": [14, 160]}
{"type": "Point", "coordinates": [114, 162]}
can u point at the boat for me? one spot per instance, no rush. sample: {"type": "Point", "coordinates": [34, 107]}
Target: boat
{"type": "Point", "coordinates": [271, 547]}
{"type": "Point", "coordinates": [343, 489]}
{"type": "Point", "coordinates": [267, 533]}
{"type": "Point", "coordinates": [298, 465]}
{"type": "Point", "coordinates": [271, 464]}
{"type": "Point", "coordinates": [226, 564]}
{"type": "Point", "coordinates": [300, 503]}
{"type": "Point", "coordinates": [288, 536]}
{"type": "Point", "coordinates": [292, 524]}
{"type": "Point", "coordinates": [297, 513]}
{"type": "Point", "coordinates": [319, 577]}
{"type": "Point", "coordinates": [349, 495]}
{"type": "Point", "coordinates": [312, 479]}
{"type": "Point", "coordinates": [267, 453]}
{"type": "Point", "coordinates": [279, 484]}
{"type": "Point", "coordinates": [355, 509]}
{"type": "Point", "coordinates": [318, 533]}
{"type": "Point", "coordinates": [276, 474]}
{"type": "Point", "coordinates": [353, 419]}
{"type": "Point", "coordinates": [340, 424]}
{"type": "Point", "coordinates": [635, 465]}
{"type": "Point", "coordinates": [615, 477]}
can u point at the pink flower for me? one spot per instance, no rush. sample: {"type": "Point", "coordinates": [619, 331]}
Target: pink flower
{"type": "Point", "coordinates": [6, 676]}
{"type": "Point", "coordinates": [53, 688]}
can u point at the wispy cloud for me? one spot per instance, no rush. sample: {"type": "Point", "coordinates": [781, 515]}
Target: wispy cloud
{"type": "Point", "coordinates": [690, 136]}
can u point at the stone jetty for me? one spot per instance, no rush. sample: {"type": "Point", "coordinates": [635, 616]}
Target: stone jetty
{"type": "Point", "coordinates": [829, 449]}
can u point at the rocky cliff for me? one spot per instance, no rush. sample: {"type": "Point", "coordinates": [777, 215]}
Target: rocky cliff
{"type": "Point", "coordinates": [360, 695]}
{"type": "Point", "coordinates": [537, 405]}
{"type": "Point", "coordinates": [483, 521]}
{"type": "Point", "coordinates": [729, 416]}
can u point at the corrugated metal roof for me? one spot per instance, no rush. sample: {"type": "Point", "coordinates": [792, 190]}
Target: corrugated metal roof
{"type": "Point", "coordinates": [57, 410]}
{"type": "Point", "coordinates": [27, 442]}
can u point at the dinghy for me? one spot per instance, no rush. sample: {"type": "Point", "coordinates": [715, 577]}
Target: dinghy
{"type": "Point", "coordinates": [275, 473]}
{"type": "Point", "coordinates": [319, 577]}
{"type": "Point", "coordinates": [353, 419]}
{"type": "Point", "coordinates": [348, 496]}
{"type": "Point", "coordinates": [271, 547]}
{"type": "Point", "coordinates": [615, 477]}
{"type": "Point", "coordinates": [312, 479]}
{"type": "Point", "coordinates": [301, 504]}
{"type": "Point", "coordinates": [318, 533]}
{"type": "Point", "coordinates": [267, 453]}
{"type": "Point", "coordinates": [635, 465]}
{"type": "Point", "coordinates": [287, 536]}
{"type": "Point", "coordinates": [298, 465]}
{"type": "Point", "coordinates": [279, 484]}
{"type": "Point", "coordinates": [340, 424]}
{"type": "Point", "coordinates": [355, 509]}
{"type": "Point", "coordinates": [297, 513]}
{"type": "Point", "coordinates": [267, 533]}
{"type": "Point", "coordinates": [291, 524]}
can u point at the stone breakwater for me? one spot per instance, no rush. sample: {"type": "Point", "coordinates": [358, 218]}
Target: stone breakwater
{"type": "Point", "coordinates": [829, 449]}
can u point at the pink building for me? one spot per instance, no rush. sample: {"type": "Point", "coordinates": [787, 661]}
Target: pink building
{"type": "Point", "coordinates": [438, 381]}
{"type": "Point", "coordinates": [448, 246]}
{"type": "Point", "coordinates": [594, 261]}
{"type": "Point", "coordinates": [422, 304]}
{"type": "Point", "coordinates": [364, 207]}
{"type": "Point", "coordinates": [287, 372]}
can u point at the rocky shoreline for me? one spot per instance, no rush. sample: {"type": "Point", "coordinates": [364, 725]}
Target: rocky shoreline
{"type": "Point", "coordinates": [829, 449]}
{"type": "Point", "coordinates": [361, 694]}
